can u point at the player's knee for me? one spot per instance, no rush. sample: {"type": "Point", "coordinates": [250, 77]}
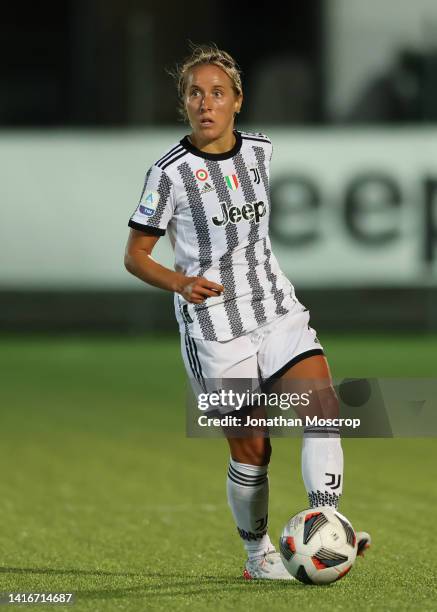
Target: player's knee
{"type": "Point", "coordinates": [253, 451]}
{"type": "Point", "coordinates": [268, 452]}
{"type": "Point", "coordinates": [329, 402]}
{"type": "Point", "coordinates": [259, 451]}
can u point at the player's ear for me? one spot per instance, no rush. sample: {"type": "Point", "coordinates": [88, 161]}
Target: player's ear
{"type": "Point", "coordinates": [238, 103]}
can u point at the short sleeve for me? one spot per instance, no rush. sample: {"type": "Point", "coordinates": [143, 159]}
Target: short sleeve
{"type": "Point", "coordinates": [156, 205]}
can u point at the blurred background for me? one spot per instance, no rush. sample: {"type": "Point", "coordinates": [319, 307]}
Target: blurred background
{"type": "Point", "coordinates": [347, 92]}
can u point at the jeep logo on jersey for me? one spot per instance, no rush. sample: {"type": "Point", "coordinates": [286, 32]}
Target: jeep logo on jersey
{"type": "Point", "coordinates": [234, 214]}
{"type": "Point", "coordinates": [149, 203]}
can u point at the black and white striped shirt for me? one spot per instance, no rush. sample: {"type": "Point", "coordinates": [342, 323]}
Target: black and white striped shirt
{"type": "Point", "coordinates": [216, 208]}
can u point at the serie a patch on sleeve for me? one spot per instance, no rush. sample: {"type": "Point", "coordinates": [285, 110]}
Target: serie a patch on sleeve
{"type": "Point", "coordinates": [148, 203]}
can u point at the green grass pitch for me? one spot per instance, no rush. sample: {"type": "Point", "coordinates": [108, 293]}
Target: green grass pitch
{"type": "Point", "coordinates": [103, 495]}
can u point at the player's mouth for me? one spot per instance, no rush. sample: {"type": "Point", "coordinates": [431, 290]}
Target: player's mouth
{"type": "Point", "coordinates": [206, 122]}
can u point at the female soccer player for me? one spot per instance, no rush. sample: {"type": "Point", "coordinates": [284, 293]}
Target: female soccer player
{"type": "Point", "coordinates": [237, 312]}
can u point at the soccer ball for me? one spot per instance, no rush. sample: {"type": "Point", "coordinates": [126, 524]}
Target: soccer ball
{"type": "Point", "coordinates": [318, 545]}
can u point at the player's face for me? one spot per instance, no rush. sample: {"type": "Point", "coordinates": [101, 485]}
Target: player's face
{"type": "Point", "coordinates": [209, 95]}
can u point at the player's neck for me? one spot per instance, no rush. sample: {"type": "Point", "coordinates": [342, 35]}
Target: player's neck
{"type": "Point", "coordinates": [218, 145]}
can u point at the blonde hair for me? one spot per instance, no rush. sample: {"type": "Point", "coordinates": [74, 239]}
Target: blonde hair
{"type": "Point", "coordinates": [204, 54]}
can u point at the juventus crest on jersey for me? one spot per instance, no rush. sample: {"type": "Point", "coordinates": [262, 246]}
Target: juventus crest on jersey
{"type": "Point", "coordinates": [216, 209]}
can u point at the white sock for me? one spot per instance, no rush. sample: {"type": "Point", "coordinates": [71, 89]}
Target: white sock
{"type": "Point", "coordinates": [248, 497]}
{"type": "Point", "coordinates": [322, 466]}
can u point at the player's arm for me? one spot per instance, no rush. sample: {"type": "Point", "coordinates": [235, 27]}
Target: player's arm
{"type": "Point", "coordinates": [138, 261]}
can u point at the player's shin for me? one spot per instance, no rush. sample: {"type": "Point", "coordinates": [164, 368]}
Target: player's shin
{"type": "Point", "coordinates": [322, 466]}
{"type": "Point", "coordinates": [248, 497]}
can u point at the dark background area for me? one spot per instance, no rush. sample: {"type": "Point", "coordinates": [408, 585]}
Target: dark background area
{"type": "Point", "coordinates": [105, 62]}
{"type": "Point", "coordinates": [79, 62]}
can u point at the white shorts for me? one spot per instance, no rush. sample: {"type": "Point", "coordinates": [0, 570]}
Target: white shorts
{"type": "Point", "coordinates": [257, 356]}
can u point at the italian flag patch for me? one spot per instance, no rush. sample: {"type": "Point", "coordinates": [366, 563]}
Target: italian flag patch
{"type": "Point", "coordinates": [232, 181]}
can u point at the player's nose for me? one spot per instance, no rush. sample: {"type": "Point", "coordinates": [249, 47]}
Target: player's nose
{"type": "Point", "coordinates": [205, 102]}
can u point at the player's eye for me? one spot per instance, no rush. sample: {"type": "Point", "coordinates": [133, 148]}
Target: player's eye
{"type": "Point", "coordinates": [216, 93]}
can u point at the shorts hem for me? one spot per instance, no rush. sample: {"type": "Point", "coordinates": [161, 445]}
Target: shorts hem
{"type": "Point", "coordinates": [291, 363]}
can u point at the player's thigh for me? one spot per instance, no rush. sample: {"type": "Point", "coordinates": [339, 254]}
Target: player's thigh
{"type": "Point", "coordinates": [312, 376]}
{"type": "Point", "coordinates": [314, 367]}
{"type": "Point", "coordinates": [230, 365]}
{"type": "Point", "coordinates": [292, 360]}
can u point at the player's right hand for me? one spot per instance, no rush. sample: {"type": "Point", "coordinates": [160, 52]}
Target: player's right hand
{"type": "Point", "coordinates": [197, 288]}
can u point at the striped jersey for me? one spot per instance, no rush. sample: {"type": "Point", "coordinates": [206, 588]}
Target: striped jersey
{"type": "Point", "coordinates": [215, 208]}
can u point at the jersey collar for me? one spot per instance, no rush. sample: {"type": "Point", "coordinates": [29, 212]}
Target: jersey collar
{"type": "Point", "coordinates": [213, 156]}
